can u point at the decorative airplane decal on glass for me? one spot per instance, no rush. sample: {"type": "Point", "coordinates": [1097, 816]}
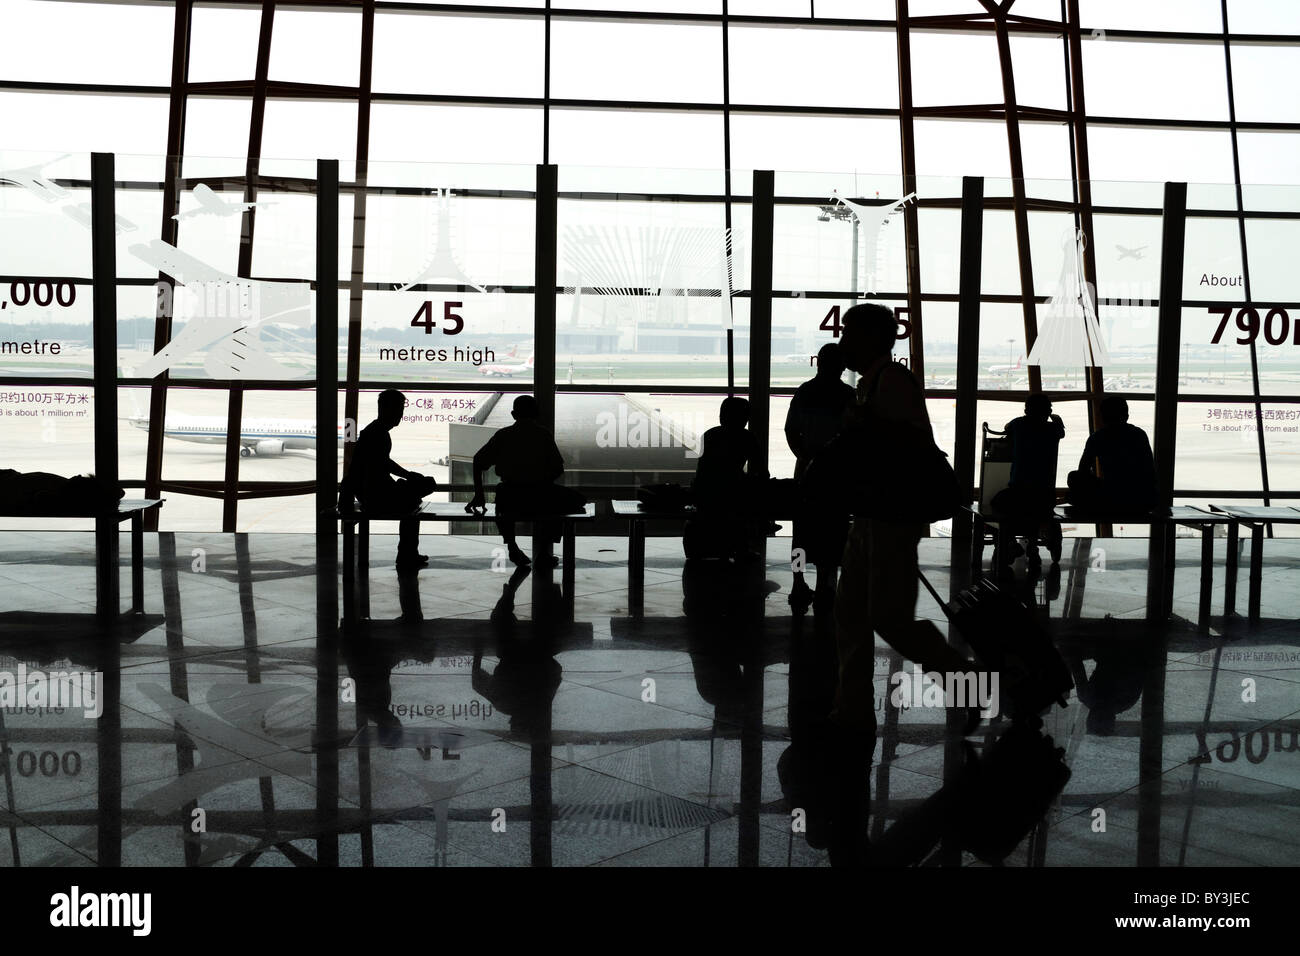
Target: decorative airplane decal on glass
{"type": "Point", "coordinates": [211, 204]}
{"type": "Point", "coordinates": [224, 314]}
{"type": "Point", "coordinates": [33, 179]}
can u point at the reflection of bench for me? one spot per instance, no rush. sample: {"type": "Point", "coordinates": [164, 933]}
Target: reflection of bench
{"type": "Point", "coordinates": [106, 604]}
{"type": "Point", "coordinates": [450, 511]}
{"type": "Point", "coordinates": [1255, 518]}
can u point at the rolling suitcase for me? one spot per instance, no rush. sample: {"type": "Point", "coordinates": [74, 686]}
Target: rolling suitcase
{"type": "Point", "coordinates": [1007, 639]}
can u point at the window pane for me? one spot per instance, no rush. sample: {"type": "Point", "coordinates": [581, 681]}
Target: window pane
{"type": "Point", "coordinates": [446, 55]}
{"type": "Point", "coordinates": [801, 144]}
{"type": "Point", "coordinates": [1272, 160]}
{"type": "Point", "coordinates": [298, 132]}
{"type": "Point", "coordinates": [1129, 165]}
{"type": "Point", "coordinates": [631, 61]}
{"type": "Point", "coordinates": [1263, 16]}
{"type": "Point", "coordinates": [81, 123]}
{"type": "Point", "coordinates": [1123, 78]}
{"type": "Point", "coordinates": [950, 68]}
{"type": "Point", "coordinates": [813, 67]}
{"type": "Point", "coordinates": [65, 43]}
{"type": "Point", "coordinates": [315, 46]}
{"type": "Point", "coordinates": [1195, 16]}
{"type": "Point", "coordinates": [648, 300]}
{"type": "Point", "coordinates": [216, 127]}
{"type": "Point", "coordinates": [642, 143]}
{"type": "Point", "coordinates": [223, 43]}
{"type": "Point", "coordinates": [1264, 82]}
{"type": "Point", "coordinates": [456, 134]}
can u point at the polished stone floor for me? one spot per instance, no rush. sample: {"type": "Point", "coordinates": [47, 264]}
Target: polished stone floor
{"type": "Point", "coordinates": [458, 727]}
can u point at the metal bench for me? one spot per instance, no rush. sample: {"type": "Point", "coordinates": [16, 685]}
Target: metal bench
{"type": "Point", "coordinates": [358, 553]}
{"type": "Point", "coordinates": [107, 603]}
{"type": "Point", "coordinates": [1254, 517]}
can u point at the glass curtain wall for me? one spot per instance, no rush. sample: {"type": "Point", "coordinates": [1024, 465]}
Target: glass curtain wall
{"type": "Point", "coordinates": [657, 114]}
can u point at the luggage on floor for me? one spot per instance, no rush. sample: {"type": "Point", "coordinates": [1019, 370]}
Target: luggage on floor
{"type": "Point", "coordinates": [1007, 639]}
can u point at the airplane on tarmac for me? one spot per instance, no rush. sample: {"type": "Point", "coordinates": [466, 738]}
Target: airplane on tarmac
{"type": "Point", "coordinates": [1006, 369]}
{"type": "Point", "coordinates": [211, 204]}
{"type": "Point", "coordinates": [266, 436]}
{"type": "Point", "coordinates": [508, 370]}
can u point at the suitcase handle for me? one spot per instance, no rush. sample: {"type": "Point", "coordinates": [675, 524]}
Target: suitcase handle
{"type": "Point", "coordinates": [943, 605]}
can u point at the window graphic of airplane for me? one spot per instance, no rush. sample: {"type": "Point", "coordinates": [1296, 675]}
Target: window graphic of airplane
{"type": "Point", "coordinates": [34, 180]}
{"type": "Point", "coordinates": [211, 204]}
{"type": "Point", "coordinates": [225, 312]}
{"type": "Point", "coordinates": [1126, 253]}
{"type": "Point", "coordinates": [508, 370]}
{"type": "Point", "coordinates": [256, 437]}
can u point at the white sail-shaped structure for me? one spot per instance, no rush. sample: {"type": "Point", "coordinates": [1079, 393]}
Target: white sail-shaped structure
{"type": "Point", "coordinates": [1068, 331]}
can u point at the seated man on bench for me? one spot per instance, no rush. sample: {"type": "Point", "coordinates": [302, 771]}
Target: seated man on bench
{"type": "Point", "coordinates": [370, 481]}
{"type": "Point", "coordinates": [1117, 472]}
{"type": "Point", "coordinates": [528, 463]}
{"type": "Point", "coordinates": [1030, 497]}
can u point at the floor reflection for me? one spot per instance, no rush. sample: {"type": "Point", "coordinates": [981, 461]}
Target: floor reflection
{"type": "Point", "coordinates": [472, 721]}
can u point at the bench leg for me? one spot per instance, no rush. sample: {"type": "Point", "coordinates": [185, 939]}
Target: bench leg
{"type": "Point", "coordinates": [363, 566]}
{"type": "Point", "coordinates": [349, 573]}
{"type": "Point", "coordinates": [568, 559]}
{"type": "Point", "coordinates": [636, 568]}
{"type": "Point", "coordinates": [1256, 571]}
{"type": "Point", "coordinates": [977, 546]}
{"type": "Point", "coordinates": [137, 563]}
{"type": "Point", "coordinates": [1230, 583]}
{"type": "Point", "coordinates": [1207, 578]}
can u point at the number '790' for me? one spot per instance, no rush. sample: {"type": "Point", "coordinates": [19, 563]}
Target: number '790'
{"type": "Point", "coordinates": [1276, 325]}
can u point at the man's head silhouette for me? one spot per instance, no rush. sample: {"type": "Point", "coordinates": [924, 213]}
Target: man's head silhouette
{"type": "Point", "coordinates": [1114, 410]}
{"type": "Point", "coordinates": [734, 412]}
{"type": "Point", "coordinates": [830, 363]}
{"type": "Point", "coordinates": [1038, 406]}
{"type": "Point", "coordinates": [869, 332]}
{"type": "Point", "coordinates": [526, 409]}
{"type": "Point", "coordinates": [392, 405]}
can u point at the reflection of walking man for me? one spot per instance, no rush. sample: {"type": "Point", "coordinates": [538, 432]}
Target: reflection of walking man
{"type": "Point", "coordinates": [878, 579]}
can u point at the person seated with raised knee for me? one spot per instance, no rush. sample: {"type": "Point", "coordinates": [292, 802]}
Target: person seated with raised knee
{"type": "Point", "coordinates": [528, 463]}
{"type": "Point", "coordinates": [1030, 496]}
{"type": "Point", "coordinates": [727, 494]}
{"type": "Point", "coordinates": [1117, 472]}
{"type": "Point", "coordinates": [370, 480]}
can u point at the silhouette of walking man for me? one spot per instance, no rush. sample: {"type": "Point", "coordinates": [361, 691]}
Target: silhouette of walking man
{"type": "Point", "coordinates": [878, 581]}
{"type": "Point", "coordinates": [815, 416]}
{"type": "Point", "coordinates": [370, 481]}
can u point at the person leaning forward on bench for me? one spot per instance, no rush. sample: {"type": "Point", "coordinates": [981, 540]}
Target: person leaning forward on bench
{"type": "Point", "coordinates": [1117, 472]}
{"type": "Point", "coordinates": [528, 463]}
{"type": "Point", "coordinates": [370, 481]}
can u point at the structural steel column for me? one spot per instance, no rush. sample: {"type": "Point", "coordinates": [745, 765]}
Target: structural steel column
{"type": "Point", "coordinates": [544, 293]}
{"type": "Point", "coordinates": [327, 616]}
{"type": "Point", "coordinates": [760, 314]}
